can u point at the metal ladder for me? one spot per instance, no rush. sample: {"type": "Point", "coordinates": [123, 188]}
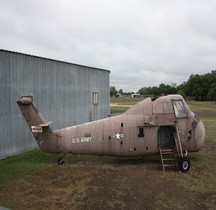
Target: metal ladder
{"type": "Point", "coordinates": [168, 159]}
{"type": "Point", "coordinates": [178, 143]}
{"type": "Point", "coordinates": [167, 155]}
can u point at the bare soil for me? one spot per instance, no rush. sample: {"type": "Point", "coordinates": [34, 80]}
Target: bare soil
{"type": "Point", "coordinates": [113, 183]}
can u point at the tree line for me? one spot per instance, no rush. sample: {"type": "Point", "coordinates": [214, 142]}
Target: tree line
{"type": "Point", "coordinates": [198, 87]}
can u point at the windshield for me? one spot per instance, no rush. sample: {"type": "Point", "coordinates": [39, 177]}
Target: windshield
{"type": "Point", "coordinates": [180, 110]}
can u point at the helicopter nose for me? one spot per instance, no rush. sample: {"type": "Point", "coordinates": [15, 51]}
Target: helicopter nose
{"type": "Point", "coordinates": [199, 135]}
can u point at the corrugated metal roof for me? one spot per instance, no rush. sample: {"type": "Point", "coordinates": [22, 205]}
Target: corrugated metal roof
{"type": "Point", "coordinates": [54, 60]}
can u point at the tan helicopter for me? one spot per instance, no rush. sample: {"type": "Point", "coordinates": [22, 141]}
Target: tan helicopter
{"type": "Point", "coordinates": [163, 125]}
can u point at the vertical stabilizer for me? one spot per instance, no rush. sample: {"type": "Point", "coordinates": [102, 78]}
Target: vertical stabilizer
{"type": "Point", "coordinates": [29, 111]}
{"type": "Point", "coordinates": [39, 127]}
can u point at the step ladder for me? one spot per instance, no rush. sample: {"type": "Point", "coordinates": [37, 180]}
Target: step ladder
{"type": "Point", "coordinates": [178, 142]}
{"type": "Point", "coordinates": [168, 159]}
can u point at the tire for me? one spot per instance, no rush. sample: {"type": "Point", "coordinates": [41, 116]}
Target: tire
{"type": "Point", "coordinates": [61, 161]}
{"type": "Point", "coordinates": [184, 164]}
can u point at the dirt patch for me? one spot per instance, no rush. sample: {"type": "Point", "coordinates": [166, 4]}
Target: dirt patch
{"type": "Point", "coordinates": [116, 184]}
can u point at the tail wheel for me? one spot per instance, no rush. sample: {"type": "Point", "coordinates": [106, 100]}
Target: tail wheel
{"type": "Point", "coordinates": [61, 161]}
{"type": "Point", "coordinates": [184, 164]}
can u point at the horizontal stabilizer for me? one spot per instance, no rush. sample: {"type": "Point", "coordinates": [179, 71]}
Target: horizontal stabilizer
{"type": "Point", "coordinates": [46, 124]}
{"type": "Point", "coordinates": [38, 129]}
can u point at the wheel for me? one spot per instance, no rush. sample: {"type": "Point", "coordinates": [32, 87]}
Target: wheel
{"type": "Point", "coordinates": [61, 161]}
{"type": "Point", "coordinates": [184, 164]}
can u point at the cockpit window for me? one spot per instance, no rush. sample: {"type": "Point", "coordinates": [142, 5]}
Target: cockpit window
{"type": "Point", "coordinates": [180, 110]}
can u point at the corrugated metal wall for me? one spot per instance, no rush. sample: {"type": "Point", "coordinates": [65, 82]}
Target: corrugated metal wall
{"type": "Point", "coordinates": [62, 92]}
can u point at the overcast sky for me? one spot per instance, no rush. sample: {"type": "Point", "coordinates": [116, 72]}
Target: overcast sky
{"type": "Point", "coordinates": [142, 42]}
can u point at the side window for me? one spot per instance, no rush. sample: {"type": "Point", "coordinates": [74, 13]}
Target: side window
{"type": "Point", "coordinates": [141, 132]}
{"type": "Point", "coordinates": [179, 109]}
{"type": "Point", "coordinates": [95, 98]}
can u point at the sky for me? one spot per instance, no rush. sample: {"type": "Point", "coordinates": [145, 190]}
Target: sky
{"type": "Point", "coordinates": [142, 42]}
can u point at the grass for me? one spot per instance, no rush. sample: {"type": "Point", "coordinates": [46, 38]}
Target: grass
{"type": "Point", "coordinates": [195, 106]}
{"type": "Point", "coordinates": [210, 128]}
{"type": "Point", "coordinates": [120, 105]}
{"type": "Point", "coordinates": [203, 106]}
{"type": "Point", "coordinates": [125, 101]}
{"type": "Point", "coordinates": [17, 166]}
{"type": "Point", "coordinates": [202, 179]}
{"type": "Point", "coordinates": [118, 110]}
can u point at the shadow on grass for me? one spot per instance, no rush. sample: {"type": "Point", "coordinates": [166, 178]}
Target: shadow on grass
{"type": "Point", "coordinates": [141, 162]}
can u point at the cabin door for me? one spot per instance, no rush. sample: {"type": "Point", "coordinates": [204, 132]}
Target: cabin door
{"type": "Point", "coordinates": [165, 137]}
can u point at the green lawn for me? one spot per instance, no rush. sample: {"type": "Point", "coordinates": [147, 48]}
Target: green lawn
{"type": "Point", "coordinates": [16, 166]}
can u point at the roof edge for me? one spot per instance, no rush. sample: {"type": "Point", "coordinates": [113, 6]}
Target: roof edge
{"type": "Point", "coordinates": [41, 57]}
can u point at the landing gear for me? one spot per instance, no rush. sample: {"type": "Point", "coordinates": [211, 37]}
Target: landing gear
{"type": "Point", "coordinates": [184, 164]}
{"type": "Point", "coordinates": [61, 161]}
{"type": "Point", "coordinates": [64, 159]}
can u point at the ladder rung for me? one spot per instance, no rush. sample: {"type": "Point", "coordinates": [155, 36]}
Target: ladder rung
{"type": "Point", "coordinates": [166, 149]}
{"type": "Point", "coordinates": [170, 165]}
{"type": "Point", "coordinates": [169, 159]}
{"type": "Point", "coordinates": [167, 153]}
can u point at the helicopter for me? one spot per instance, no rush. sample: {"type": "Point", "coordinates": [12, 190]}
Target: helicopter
{"type": "Point", "coordinates": [162, 126]}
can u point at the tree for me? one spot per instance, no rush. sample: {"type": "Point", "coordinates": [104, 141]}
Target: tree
{"type": "Point", "coordinates": [182, 87]}
{"type": "Point", "coordinates": [121, 91]}
{"type": "Point", "coordinates": [182, 93]}
{"type": "Point", "coordinates": [143, 91]}
{"type": "Point", "coordinates": [113, 91]}
{"type": "Point", "coordinates": [154, 91]}
{"type": "Point", "coordinates": [194, 87]}
{"type": "Point", "coordinates": [212, 92]}
{"type": "Point", "coordinates": [200, 87]}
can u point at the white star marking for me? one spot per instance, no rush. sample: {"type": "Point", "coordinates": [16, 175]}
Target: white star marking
{"type": "Point", "coordinates": [118, 136]}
